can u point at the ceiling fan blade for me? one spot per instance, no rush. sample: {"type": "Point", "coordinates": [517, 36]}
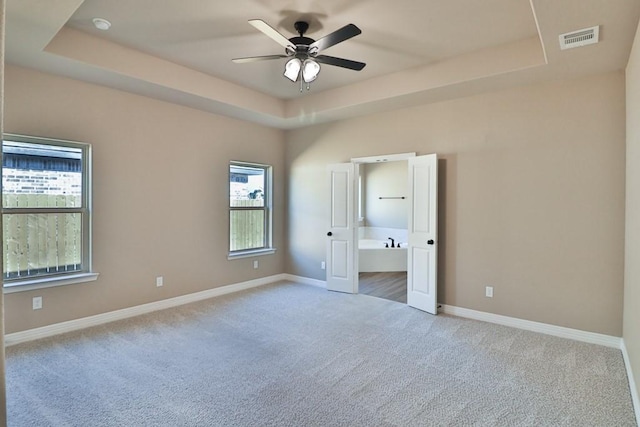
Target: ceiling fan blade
{"type": "Point", "coordinates": [272, 33]}
{"type": "Point", "coordinates": [336, 37]}
{"type": "Point", "coordinates": [257, 58]}
{"type": "Point", "coordinates": [340, 62]}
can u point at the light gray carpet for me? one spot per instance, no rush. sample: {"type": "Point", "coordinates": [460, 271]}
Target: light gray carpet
{"type": "Point", "coordinates": [295, 355]}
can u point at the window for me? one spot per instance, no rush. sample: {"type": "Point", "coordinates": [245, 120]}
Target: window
{"type": "Point", "coordinates": [46, 210]}
{"type": "Point", "coordinates": [249, 209]}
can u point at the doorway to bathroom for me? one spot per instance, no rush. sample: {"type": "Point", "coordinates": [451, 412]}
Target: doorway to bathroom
{"type": "Point", "coordinates": [382, 228]}
{"type": "Point", "coordinates": [386, 285]}
{"type": "Point", "coordinates": [418, 244]}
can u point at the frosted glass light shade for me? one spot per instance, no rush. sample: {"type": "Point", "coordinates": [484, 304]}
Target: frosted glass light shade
{"type": "Point", "coordinates": [292, 69]}
{"type": "Point", "coordinates": [310, 70]}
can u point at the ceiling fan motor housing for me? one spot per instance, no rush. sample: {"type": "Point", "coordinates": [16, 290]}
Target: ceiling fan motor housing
{"type": "Point", "coordinates": [301, 27]}
{"type": "Point", "coordinates": [306, 41]}
{"type": "Point", "coordinates": [301, 42]}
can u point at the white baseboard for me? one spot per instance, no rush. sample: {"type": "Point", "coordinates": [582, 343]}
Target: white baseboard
{"type": "Point", "coordinates": [99, 319]}
{"type": "Point", "coordinates": [306, 280]}
{"type": "Point", "coordinates": [632, 383]}
{"type": "Point", "coordinates": [544, 328]}
{"type": "Point", "coordinates": [73, 325]}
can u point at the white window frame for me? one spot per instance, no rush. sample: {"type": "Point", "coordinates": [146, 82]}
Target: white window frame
{"type": "Point", "coordinates": [85, 274]}
{"type": "Point", "coordinates": [268, 213]}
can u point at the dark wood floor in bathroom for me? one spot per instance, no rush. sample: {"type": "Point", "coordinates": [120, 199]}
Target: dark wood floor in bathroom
{"type": "Point", "coordinates": [391, 286]}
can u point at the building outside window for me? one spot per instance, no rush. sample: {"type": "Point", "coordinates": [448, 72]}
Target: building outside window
{"type": "Point", "coordinates": [249, 209]}
{"type": "Point", "coordinates": [46, 211]}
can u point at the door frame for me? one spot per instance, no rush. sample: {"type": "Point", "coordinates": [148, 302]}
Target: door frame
{"type": "Point", "coordinates": [381, 159]}
{"type": "Point", "coordinates": [423, 298]}
{"type": "Point", "coordinates": [357, 161]}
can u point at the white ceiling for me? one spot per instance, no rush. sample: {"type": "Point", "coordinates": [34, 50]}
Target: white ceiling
{"type": "Point", "coordinates": [416, 50]}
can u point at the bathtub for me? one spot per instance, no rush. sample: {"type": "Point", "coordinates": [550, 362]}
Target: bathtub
{"type": "Point", "coordinates": [374, 257]}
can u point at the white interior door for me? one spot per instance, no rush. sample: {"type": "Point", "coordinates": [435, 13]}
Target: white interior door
{"type": "Point", "coordinates": [341, 234]}
{"type": "Point", "coordinates": [422, 249]}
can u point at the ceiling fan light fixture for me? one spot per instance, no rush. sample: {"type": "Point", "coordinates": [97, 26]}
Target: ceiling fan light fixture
{"type": "Point", "coordinates": [303, 61]}
{"type": "Point", "coordinates": [292, 69]}
{"type": "Point", "coordinates": [310, 70]}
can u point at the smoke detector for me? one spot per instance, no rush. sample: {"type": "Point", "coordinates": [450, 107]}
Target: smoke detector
{"type": "Point", "coordinates": [579, 38]}
{"type": "Point", "coordinates": [101, 24]}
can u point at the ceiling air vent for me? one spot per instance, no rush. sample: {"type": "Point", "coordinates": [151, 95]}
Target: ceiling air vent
{"type": "Point", "coordinates": [579, 38]}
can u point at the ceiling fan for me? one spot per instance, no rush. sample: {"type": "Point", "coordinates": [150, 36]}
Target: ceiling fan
{"type": "Point", "coordinates": [304, 62]}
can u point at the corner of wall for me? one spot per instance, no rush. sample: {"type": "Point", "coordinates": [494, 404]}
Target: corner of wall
{"type": "Point", "coordinates": [631, 313]}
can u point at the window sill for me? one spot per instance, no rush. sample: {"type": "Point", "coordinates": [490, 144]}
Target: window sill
{"type": "Point", "coordinates": [48, 282]}
{"type": "Point", "coordinates": [253, 253]}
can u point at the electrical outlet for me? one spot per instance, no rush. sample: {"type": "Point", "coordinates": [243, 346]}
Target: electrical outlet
{"type": "Point", "coordinates": [37, 303]}
{"type": "Point", "coordinates": [255, 264]}
{"type": "Point", "coordinates": [488, 292]}
{"type": "Point", "coordinates": [159, 281]}
{"type": "Point", "coordinates": [323, 265]}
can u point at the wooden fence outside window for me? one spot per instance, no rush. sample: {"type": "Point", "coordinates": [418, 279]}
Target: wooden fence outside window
{"type": "Point", "coordinates": [41, 243]}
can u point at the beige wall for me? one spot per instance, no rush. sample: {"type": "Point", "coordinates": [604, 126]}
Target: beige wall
{"type": "Point", "coordinates": [632, 241]}
{"type": "Point", "coordinates": [385, 180]}
{"type": "Point", "coordinates": [531, 196]}
{"type": "Point", "coordinates": [160, 181]}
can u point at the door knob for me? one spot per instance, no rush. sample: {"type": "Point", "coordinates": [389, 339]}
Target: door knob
{"type": "Point", "coordinates": [329, 234]}
{"type": "Point", "coordinates": [430, 242]}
